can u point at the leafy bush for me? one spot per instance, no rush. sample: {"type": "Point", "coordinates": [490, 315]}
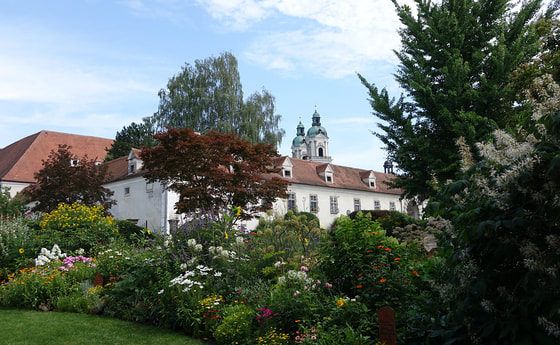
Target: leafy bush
{"type": "Point", "coordinates": [130, 231]}
{"type": "Point", "coordinates": [77, 226]}
{"type": "Point", "coordinates": [17, 245]}
{"type": "Point", "coordinates": [236, 326]}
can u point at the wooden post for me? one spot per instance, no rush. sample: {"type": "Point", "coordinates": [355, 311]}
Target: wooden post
{"type": "Point", "coordinates": [387, 325]}
{"type": "Point", "coordinates": [98, 280]}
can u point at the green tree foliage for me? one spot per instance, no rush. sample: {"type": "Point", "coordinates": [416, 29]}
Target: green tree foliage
{"type": "Point", "coordinates": [209, 96]}
{"type": "Point", "coordinates": [455, 61]}
{"type": "Point", "coordinates": [65, 178]}
{"type": "Point", "coordinates": [136, 135]}
{"type": "Point", "coordinates": [505, 286]}
{"type": "Point", "coordinates": [214, 172]}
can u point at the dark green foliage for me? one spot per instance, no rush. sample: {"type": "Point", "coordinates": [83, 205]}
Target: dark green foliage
{"type": "Point", "coordinates": [130, 231]}
{"type": "Point", "coordinates": [506, 248]}
{"type": "Point", "coordinates": [133, 136]}
{"type": "Point", "coordinates": [454, 68]}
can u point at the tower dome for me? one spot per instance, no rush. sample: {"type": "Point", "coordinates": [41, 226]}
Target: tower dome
{"type": "Point", "coordinates": [316, 127]}
{"type": "Point", "coordinates": [300, 135]}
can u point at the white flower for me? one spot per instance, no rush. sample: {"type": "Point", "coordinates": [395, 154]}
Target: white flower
{"type": "Point", "coordinates": [198, 247]}
{"type": "Point", "coordinates": [191, 242]}
{"type": "Point", "coordinates": [239, 240]}
{"type": "Point", "coordinates": [217, 274]}
{"type": "Point", "coordinates": [161, 291]}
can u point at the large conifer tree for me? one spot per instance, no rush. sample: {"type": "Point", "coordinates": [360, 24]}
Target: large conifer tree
{"type": "Point", "coordinates": [455, 62]}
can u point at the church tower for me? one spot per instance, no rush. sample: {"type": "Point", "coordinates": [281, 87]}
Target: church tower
{"type": "Point", "coordinates": [315, 145]}
{"type": "Point", "coordinates": [299, 146]}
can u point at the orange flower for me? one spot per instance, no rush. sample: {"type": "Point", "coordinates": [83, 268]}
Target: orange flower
{"type": "Point", "coordinates": [375, 267]}
{"type": "Point", "coordinates": [387, 249]}
{"type": "Point", "coordinates": [380, 247]}
{"type": "Point", "coordinates": [374, 232]}
{"type": "Point", "coordinates": [368, 251]}
{"type": "Point", "coordinates": [359, 287]}
{"type": "Point", "coordinates": [397, 259]}
{"type": "Point", "coordinates": [359, 275]}
{"type": "Point", "coordinates": [383, 280]}
{"type": "Point", "coordinates": [415, 273]}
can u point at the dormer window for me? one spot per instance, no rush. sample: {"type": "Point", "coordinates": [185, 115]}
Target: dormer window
{"type": "Point", "coordinates": [368, 177]}
{"type": "Point", "coordinates": [286, 166]}
{"type": "Point", "coordinates": [134, 164]}
{"type": "Point", "coordinates": [287, 172]}
{"type": "Point", "coordinates": [74, 162]}
{"type": "Point", "coordinates": [326, 172]}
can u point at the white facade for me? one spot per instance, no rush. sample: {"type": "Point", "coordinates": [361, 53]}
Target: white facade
{"type": "Point", "coordinates": [328, 210]}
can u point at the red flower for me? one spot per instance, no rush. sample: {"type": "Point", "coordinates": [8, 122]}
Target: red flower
{"type": "Point", "coordinates": [359, 275]}
{"type": "Point", "coordinates": [415, 273]}
{"type": "Point", "coordinates": [359, 287]}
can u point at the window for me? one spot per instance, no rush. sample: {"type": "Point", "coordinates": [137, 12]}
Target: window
{"type": "Point", "coordinates": [357, 205]}
{"type": "Point", "coordinates": [126, 191]}
{"type": "Point", "coordinates": [131, 168]}
{"type": "Point", "coordinates": [376, 205]}
{"type": "Point", "coordinates": [291, 201]}
{"type": "Point", "coordinates": [392, 206]}
{"type": "Point", "coordinates": [372, 184]}
{"type": "Point", "coordinates": [334, 205]}
{"type": "Point", "coordinates": [74, 162]}
{"type": "Point", "coordinates": [288, 173]}
{"type": "Point", "coordinates": [329, 179]}
{"type": "Point", "coordinates": [313, 203]}
{"type": "Point", "coordinates": [320, 152]}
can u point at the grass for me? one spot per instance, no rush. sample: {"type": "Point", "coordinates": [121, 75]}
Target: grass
{"type": "Point", "coordinates": [28, 327]}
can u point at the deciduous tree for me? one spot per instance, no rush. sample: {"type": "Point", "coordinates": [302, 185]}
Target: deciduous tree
{"type": "Point", "coordinates": [209, 96]}
{"type": "Point", "coordinates": [214, 171]}
{"type": "Point", "coordinates": [455, 62]}
{"type": "Point", "coordinates": [67, 178]}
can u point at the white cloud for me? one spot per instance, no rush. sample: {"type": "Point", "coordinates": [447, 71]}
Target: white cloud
{"type": "Point", "coordinates": [332, 38]}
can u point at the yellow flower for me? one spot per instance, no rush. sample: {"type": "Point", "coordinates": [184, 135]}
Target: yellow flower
{"type": "Point", "coordinates": [225, 233]}
{"type": "Point", "coordinates": [21, 250]}
{"type": "Point", "coordinates": [341, 303]}
{"type": "Point", "coordinates": [238, 211]}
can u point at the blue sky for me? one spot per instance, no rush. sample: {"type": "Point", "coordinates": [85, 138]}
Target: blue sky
{"type": "Point", "coordinates": [92, 67]}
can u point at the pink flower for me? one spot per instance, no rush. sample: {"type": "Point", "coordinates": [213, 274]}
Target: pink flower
{"type": "Point", "coordinates": [328, 285]}
{"type": "Point", "coordinates": [296, 293]}
{"type": "Point", "coordinates": [304, 268]}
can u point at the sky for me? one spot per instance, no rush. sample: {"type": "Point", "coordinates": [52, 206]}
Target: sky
{"type": "Point", "coordinates": [92, 67]}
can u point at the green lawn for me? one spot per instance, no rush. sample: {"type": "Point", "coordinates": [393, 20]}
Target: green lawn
{"type": "Point", "coordinates": [18, 327]}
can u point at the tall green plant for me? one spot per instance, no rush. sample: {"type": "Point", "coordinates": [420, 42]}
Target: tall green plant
{"type": "Point", "coordinates": [506, 243]}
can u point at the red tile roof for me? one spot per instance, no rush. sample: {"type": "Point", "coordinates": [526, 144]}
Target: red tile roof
{"type": "Point", "coordinates": [303, 172]}
{"type": "Point", "coordinates": [22, 159]}
{"type": "Point", "coordinates": [307, 172]}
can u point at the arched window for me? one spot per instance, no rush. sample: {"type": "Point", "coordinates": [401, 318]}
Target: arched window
{"type": "Point", "coordinates": [320, 152]}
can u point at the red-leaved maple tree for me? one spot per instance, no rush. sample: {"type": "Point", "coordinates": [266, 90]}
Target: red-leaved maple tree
{"type": "Point", "coordinates": [214, 172]}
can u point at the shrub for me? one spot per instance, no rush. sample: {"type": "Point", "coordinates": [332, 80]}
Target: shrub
{"type": "Point", "coordinates": [236, 326]}
{"type": "Point", "coordinates": [130, 231]}
{"type": "Point", "coordinates": [17, 245]}
{"type": "Point", "coordinates": [77, 226]}
{"type": "Point", "coordinates": [34, 287]}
